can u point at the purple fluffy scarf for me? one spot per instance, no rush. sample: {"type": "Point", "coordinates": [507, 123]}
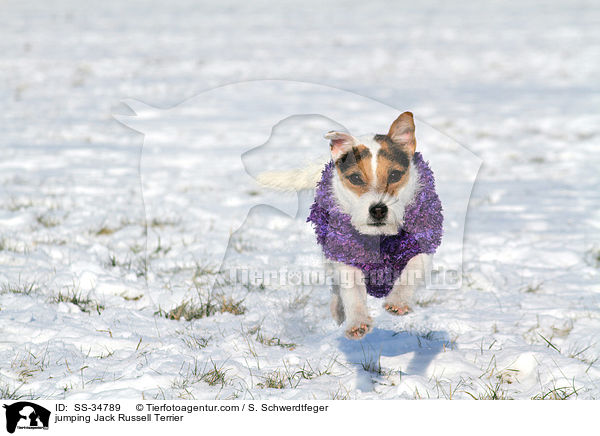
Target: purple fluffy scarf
{"type": "Point", "coordinates": [380, 257]}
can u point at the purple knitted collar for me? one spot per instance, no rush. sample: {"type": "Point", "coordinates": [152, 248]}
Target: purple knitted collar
{"type": "Point", "coordinates": [380, 257]}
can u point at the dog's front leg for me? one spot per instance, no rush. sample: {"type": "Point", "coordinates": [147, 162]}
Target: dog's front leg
{"type": "Point", "coordinates": [400, 299]}
{"type": "Point", "coordinates": [349, 301]}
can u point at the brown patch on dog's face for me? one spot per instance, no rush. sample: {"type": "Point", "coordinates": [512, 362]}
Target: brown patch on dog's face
{"type": "Point", "coordinates": [393, 165]}
{"type": "Point", "coordinates": [354, 169]}
{"type": "Point", "coordinates": [395, 154]}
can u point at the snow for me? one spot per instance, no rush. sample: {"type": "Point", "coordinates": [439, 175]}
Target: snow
{"type": "Point", "coordinates": [512, 87]}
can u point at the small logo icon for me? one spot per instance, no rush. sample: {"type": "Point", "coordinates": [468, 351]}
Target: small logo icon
{"type": "Point", "coordinates": [26, 415]}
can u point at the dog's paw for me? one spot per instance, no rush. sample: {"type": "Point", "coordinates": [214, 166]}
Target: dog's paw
{"type": "Point", "coordinates": [397, 309]}
{"type": "Point", "coordinates": [359, 331]}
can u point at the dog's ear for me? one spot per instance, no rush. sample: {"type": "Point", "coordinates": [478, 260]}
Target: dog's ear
{"type": "Point", "coordinates": [340, 143]}
{"type": "Point", "coordinates": [402, 131]}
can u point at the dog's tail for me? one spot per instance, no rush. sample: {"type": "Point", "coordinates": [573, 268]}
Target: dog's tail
{"type": "Point", "coordinates": [293, 180]}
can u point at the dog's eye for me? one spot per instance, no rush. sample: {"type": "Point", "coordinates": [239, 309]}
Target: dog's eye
{"type": "Point", "coordinates": [356, 179]}
{"type": "Point", "coordinates": [395, 176]}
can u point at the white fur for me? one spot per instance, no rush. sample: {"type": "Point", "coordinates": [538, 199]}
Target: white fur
{"type": "Point", "coordinates": [349, 300]}
{"type": "Point", "coordinates": [294, 180]}
{"type": "Point", "coordinates": [413, 276]}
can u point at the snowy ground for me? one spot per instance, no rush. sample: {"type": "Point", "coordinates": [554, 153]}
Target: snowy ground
{"type": "Point", "coordinates": [90, 308]}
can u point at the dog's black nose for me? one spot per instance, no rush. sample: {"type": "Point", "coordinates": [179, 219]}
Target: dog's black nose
{"type": "Point", "coordinates": [378, 211]}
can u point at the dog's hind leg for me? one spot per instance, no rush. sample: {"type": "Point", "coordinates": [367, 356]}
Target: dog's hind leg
{"type": "Point", "coordinates": [400, 299]}
{"type": "Point", "coordinates": [337, 306]}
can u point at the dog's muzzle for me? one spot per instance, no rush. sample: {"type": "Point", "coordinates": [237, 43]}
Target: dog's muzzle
{"type": "Point", "coordinates": [378, 212]}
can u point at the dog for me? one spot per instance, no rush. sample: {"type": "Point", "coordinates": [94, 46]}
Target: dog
{"type": "Point", "coordinates": [376, 216]}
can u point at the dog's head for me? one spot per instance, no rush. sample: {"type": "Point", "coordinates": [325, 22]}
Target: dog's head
{"type": "Point", "coordinates": [375, 178]}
